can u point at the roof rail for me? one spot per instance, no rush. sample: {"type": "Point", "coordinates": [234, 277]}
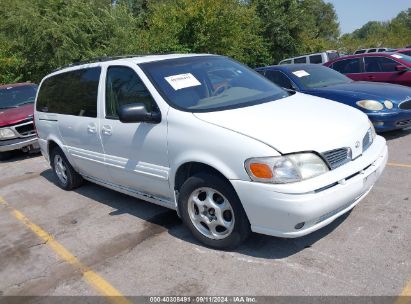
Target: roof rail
{"type": "Point", "coordinates": [94, 60]}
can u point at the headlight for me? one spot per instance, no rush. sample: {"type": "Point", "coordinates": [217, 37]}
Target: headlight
{"type": "Point", "coordinates": [372, 130]}
{"type": "Point", "coordinates": [285, 169]}
{"type": "Point", "coordinates": [388, 104]}
{"type": "Point", "coordinates": [371, 105]}
{"type": "Point", "coordinates": [7, 133]}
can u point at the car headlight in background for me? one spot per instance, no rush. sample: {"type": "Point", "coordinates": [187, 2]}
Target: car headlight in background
{"type": "Point", "coordinates": [285, 169]}
{"type": "Point", "coordinates": [388, 104]}
{"type": "Point", "coordinates": [7, 133]}
{"type": "Point", "coordinates": [371, 105]}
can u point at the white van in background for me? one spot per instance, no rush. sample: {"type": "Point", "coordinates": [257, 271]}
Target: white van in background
{"type": "Point", "coordinates": [374, 50]}
{"type": "Point", "coordinates": [317, 58]}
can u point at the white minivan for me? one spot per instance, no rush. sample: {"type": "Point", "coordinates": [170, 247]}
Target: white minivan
{"type": "Point", "coordinates": [316, 58]}
{"type": "Point", "coordinates": [226, 148]}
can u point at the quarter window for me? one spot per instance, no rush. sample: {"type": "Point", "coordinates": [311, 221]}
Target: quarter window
{"type": "Point", "coordinates": [316, 59]}
{"type": "Point", "coordinates": [70, 93]}
{"type": "Point", "coordinates": [123, 86]}
{"type": "Point", "coordinates": [379, 64]}
{"type": "Point", "coordinates": [348, 66]}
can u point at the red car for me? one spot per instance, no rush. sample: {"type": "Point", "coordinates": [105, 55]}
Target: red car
{"type": "Point", "coordinates": [380, 67]}
{"type": "Point", "coordinates": [406, 51]}
{"type": "Point", "coordinates": [16, 118]}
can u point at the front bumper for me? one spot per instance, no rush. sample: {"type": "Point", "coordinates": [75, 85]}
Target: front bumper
{"type": "Point", "coordinates": [390, 121]}
{"type": "Point", "coordinates": [277, 209]}
{"type": "Point", "coordinates": [18, 143]}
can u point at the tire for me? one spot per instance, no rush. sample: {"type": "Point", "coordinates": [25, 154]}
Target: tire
{"type": "Point", "coordinates": [205, 201]}
{"type": "Point", "coordinates": [66, 177]}
{"type": "Point", "coordinates": [5, 155]}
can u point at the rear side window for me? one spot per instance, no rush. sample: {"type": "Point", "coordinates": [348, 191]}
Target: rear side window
{"type": "Point", "coordinates": [316, 59]}
{"type": "Point", "coordinates": [379, 64]}
{"type": "Point", "coordinates": [381, 50]}
{"type": "Point", "coordinates": [348, 66]}
{"type": "Point", "coordinates": [300, 60]}
{"type": "Point", "coordinates": [123, 86]}
{"type": "Point", "coordinates": [70, 93]}
{"type": "Point", "coordinates": [372, 50]}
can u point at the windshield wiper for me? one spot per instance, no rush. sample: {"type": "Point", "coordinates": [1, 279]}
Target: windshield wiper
{"type": "Point", "coordinates": [3, 108]}
{"type": "Point", "coordinates": [26, 102]}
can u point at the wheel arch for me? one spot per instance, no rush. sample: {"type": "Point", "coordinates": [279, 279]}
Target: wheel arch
{"type": "Point", "coordinates": [191, 168]}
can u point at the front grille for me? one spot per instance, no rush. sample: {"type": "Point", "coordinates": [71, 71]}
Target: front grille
{"type": "Point", "coordinates": [338, 157]}
{"type": "Point", "coordinates": [406, 105]}
{"type": "Point", "coordinates": [26, 129]}
{"type": "Point", "coordinates": [367, 140]}
{"type": "Point", "coordinates": [403, 123]}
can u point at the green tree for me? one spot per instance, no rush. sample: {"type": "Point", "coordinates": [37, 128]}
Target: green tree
{"type": "Point", "coordinates": [296, 27]}
{"type": "Point", "coordinates": [207, 26]}
{"type": "Point", "coordinates": [48, 34]}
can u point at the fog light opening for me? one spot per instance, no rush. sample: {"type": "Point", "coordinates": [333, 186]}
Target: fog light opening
{"type": "Point", "coordinates": [378, 123]}
{"type": "Point", "coordinates": [299, 225]}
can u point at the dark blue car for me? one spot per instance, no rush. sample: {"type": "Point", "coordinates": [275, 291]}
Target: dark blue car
{"type": "Point", "coordinates": [387, 105]}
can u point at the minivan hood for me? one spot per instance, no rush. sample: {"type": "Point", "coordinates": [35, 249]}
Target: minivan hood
{"type": "Point", "coordinates": [297, 123]}
{"type": "Point", "coordinates": [12, 116]}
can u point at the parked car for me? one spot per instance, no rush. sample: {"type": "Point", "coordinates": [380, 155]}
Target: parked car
{"type": "Point", "coordinates": [317, 58]}
{"type": "Point", "coordinates": [204, 135]}
{"type": "Point", "coordinates": [380, 67]}
{"type": "Point", "coordinates": [387, 105]}
{"type": "Point", "coordinates": [374, 50]}
{"type": "Point", "coordinates": [16, 118]}
{"type": "Point", "coordinates": [406, 51]}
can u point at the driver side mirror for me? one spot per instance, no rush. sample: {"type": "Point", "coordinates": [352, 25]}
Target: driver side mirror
{"type": "Point", "coordinates": [137, 112]}
{"type": "Point", "coordinates": [401, 68]}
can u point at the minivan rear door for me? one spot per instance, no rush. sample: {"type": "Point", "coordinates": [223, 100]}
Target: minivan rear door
{"type": "Point", "coordinates": [69, 104]}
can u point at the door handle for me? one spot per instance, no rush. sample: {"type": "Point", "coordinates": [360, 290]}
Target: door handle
{"type": "Point", "coordinates": [91, 128]}
{"type": "Point", "coordinates": [371, 77]}
{"type": "Point", "coordinates": [106, 130]}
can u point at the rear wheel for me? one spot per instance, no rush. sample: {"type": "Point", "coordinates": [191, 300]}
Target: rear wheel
{"type": "Point", "coordinates": [66, 177]}
{"type": "Point", "coordinates": [213, 212]}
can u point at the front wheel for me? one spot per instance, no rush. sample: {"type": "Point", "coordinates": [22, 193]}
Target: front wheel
{"type": "Point", "coordinates": [213, 212]}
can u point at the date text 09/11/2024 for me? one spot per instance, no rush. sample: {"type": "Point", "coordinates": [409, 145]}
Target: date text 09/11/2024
{"type": "Point", "coordinates": [203, 299]}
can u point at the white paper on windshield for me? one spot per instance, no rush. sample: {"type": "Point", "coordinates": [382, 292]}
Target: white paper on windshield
{"type": "Point", "coordinates": [301, 73]}
{"type": "Point", "coordinates": [396, 56]}
{"type": "Point", "coordinates": [182, 81]}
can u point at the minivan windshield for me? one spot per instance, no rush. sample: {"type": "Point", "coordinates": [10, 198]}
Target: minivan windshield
{"type": "Point", "coordinates": [311, 77]}
{"type": "Point", "coordinates": [210, 83]}
{"type": "Point", "coordinates": [13, 97]}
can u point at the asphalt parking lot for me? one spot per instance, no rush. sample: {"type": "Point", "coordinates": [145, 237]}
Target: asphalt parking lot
{"type": "Point", "coordinates": [92, 239]}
